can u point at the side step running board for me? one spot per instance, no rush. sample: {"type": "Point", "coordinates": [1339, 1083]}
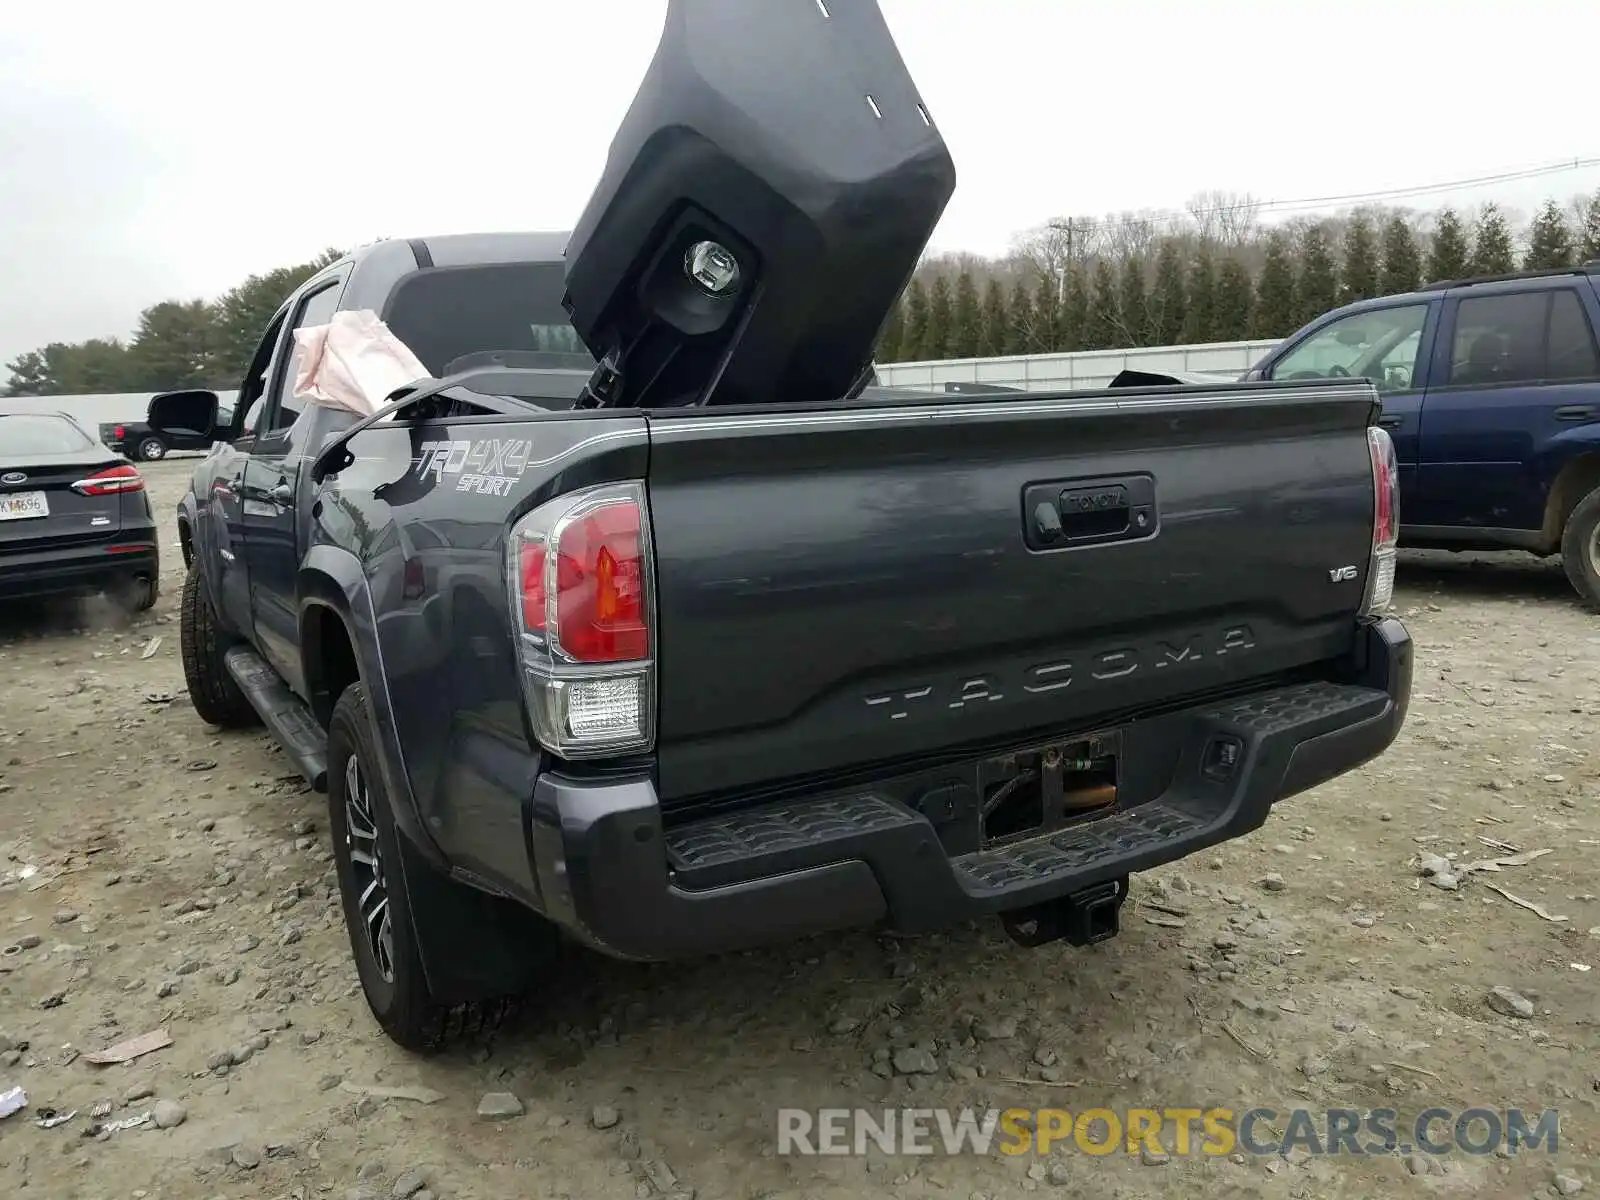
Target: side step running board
{"type": "Point", "coordinates": [284, 713]}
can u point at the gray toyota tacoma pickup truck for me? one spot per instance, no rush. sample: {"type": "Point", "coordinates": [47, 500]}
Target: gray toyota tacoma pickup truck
{"type": "Point", "coordinates": [649, 622]}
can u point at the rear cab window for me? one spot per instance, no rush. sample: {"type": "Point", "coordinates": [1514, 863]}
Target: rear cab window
{"type": "Point", "coordinates": [493, 315]}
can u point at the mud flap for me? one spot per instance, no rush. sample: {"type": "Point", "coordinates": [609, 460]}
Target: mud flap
{"type": "Point", "coordinates": [474, 945]}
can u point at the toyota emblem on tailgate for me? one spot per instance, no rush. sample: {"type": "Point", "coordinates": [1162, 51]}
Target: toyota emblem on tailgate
{"type": "Point", "coordinates": [13, 477]}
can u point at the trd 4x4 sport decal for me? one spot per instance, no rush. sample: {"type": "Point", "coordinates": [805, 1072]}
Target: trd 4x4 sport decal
{"type": "Point", "coordinates": [486, 467]}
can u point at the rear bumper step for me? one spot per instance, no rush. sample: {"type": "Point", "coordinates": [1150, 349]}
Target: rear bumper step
{"type": "Point", "coordinates": [610, 872]}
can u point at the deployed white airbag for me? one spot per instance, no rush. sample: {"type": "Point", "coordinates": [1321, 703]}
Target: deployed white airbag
{"type": "Point", "coordinates": [353, 363]}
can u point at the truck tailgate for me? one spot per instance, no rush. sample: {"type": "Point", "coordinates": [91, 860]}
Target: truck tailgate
{"type": "Point", "coordinates": [844, 587]}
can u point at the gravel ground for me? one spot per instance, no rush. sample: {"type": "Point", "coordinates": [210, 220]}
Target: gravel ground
{"type": "Point", "coordinates": [157, 875]}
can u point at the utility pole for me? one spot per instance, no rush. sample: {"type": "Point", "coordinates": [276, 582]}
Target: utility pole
{"type": "Point", "coordinates": [1068, 227]}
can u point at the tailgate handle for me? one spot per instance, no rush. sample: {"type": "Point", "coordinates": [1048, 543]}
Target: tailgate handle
{"type": "Point", "coordinates": [1073, 513]}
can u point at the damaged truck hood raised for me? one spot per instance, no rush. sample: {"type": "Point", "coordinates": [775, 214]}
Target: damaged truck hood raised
{"type": "Point", "coordinates": [763, 205]}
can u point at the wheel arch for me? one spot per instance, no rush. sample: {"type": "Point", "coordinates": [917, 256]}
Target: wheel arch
{"type": "Point", "coordinates": [327, 650]}
{"type": "Point", "coordinates": [473, 945]}
{"type": "Point", "coordinates": [1576, 479]}
{"type": "Point", "coordinates": [338, 646]}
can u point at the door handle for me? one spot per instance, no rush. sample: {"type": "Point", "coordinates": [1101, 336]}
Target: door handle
{"type": "Point", "coordinates": [1073, 513]}
{"type": "Point", "coordinates": [1575, 412]}
{"type": "Point", "coordinates": [282, 495]}
{"type": "Point", "coordinates": [1391, 422]}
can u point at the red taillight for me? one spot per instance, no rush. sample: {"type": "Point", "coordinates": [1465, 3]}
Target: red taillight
{"type": "Point", "coordinates": [533, 597]}
{"type": "Point", "coordinates": [536, 590]}
{"type": "Point", "coordinates": [119, 433]}
{"type": "Point", "coordinates": [1386, 488]}
{"type": "Point", "coordinates": [1385, 522]}
{"type": "Point", "coordinates": [110, 482]}
{"type": "Point", "coordinates": [600, 607]}
{"type": "Point", "coordinates": [580, 580]}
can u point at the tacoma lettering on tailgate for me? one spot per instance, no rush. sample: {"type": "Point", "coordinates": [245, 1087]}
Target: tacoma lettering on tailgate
{"type": "Point", "coordinates": [974, 690]}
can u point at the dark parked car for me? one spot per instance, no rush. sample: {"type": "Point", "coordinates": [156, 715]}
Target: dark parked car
{"type": "Point", "coordinates": [74, 516]}
{"type": "Point", "coordinates": [706, 642]}
{"type": "Point", "coordinates": [1491, 391]}
{"type": "Point", "coordinates": [143, 444]}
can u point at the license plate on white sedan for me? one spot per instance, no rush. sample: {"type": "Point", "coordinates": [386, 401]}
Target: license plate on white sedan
{"type": "Point", "coordinates": [19, 506]}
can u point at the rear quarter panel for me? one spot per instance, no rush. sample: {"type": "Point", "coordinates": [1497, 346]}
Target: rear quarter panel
{"type": "Point", "coordinates": [430, 535]}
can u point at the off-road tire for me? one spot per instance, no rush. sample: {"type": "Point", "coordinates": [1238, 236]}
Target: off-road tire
{"type": "Point", "coordinates": [212, 691]}
{"type": "Point", "coordinates": [1580, 549]}
{"type": "Point", "coordinates": [403, 1004]}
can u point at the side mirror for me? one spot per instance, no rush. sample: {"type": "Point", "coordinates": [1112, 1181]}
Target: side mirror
{"type": "Point", "coordinates": [763, 206]}
{"type": "Point", "coordinates": [188, 414]}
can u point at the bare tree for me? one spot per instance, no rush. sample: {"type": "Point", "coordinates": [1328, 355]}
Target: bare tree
{"type": "Point", "coordinates": [1225, 219]}
{"type": "Point", "coordinates": [1132, 234]}
{"type": "Point", "coordinates": [1051, 248]}
{"type": "Point", "coordinates": [1206, 211]}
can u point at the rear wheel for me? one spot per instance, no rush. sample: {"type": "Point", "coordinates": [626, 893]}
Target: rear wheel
{"type": "Point", "coordinates": [152, 448]}
{"type": "Point", "coordinates": [212, 691]}
{"type": "Point", "coordinates": [1580, 549]}
{"type": "Point", "coordinates": [377, 893]}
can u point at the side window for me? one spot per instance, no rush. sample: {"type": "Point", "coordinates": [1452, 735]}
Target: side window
{"type": "Point", "coordinates": [252, 419]}
{"type": "Point", "coordinates": [1522, 337]}
{"type": "Point", "coordinates": [1395, 367]}
{"type": "Point", "coordinates": [1380, 344]}
{"type": "Point", "coordinates": [1499, 339]}
{"type": "Point", "coordinates": [315, 309]}
{"type": "Point", "coordinates": [253, 390]}
{"type": "Point", "coordinates": [1571, 343]}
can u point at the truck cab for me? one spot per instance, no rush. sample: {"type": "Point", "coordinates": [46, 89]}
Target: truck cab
{"type": "Point", "coordinates": [1491, 393]}
{"type": "Point", "coordinates": [460, 302]}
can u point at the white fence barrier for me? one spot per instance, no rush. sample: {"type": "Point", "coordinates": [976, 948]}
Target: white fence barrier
{"type": "Point", "coordinates": [94, 410]}
{"type": "Point", "coordinates": [1082, 370]}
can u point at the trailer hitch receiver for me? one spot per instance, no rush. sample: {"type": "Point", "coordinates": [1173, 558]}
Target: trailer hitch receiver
{"type": "Point", "coordinates": [1079, 919]}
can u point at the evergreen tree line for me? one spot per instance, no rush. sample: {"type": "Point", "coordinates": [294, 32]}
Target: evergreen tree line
{"type": "Point", "coordinates": [177, 343]}
{"type": "Point", "coordinates": [1193, 286]}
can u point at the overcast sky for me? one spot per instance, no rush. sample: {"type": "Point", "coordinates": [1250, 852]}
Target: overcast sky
{"type": "Point", "coordinates": [170, 148]}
